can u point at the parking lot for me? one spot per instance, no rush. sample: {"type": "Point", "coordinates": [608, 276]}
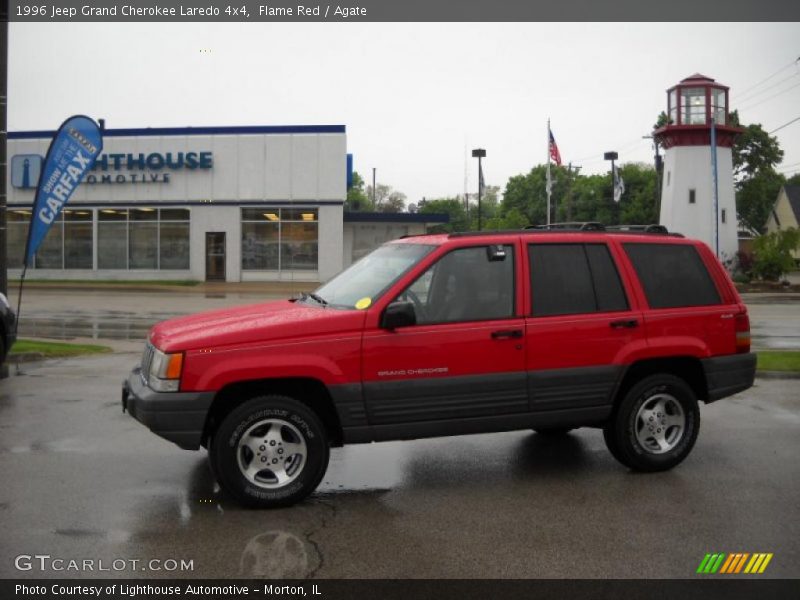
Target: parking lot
{"type": "Point", "coordinates": [82, 481]}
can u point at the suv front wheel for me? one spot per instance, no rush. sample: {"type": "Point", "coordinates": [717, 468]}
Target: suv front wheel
{"type": "Point", "coordinates": [655, 426]}
{"type": "Point", "coordinates": [271, 451]}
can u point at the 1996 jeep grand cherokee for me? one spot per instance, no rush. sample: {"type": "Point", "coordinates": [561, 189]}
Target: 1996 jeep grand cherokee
{"type": "Point", "coordinates": [454, 334]}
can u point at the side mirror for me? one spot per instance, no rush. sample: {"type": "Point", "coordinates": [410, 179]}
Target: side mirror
{"type": "Point", "coordinates": [399, 314]}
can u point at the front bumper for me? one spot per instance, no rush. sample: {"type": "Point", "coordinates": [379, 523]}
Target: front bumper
{"type": "Point", "coordinates": [729, 375]}
{"type": "Point", "coordinates": [176, 416]}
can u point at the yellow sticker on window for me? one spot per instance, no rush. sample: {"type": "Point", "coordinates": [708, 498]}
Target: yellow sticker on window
{"type": "Point", "coordinates": [363, 303]}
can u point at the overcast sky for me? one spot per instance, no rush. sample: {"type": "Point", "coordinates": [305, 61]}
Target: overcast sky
{"type": "Point", "coordinates": [412, 96]}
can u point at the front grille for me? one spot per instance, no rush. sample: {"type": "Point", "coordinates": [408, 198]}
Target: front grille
{"type": "Point", "coordinates": [147, 358]}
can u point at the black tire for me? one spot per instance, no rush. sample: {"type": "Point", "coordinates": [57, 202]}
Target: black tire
{"type": "Point", "coordinates": [289, 420]}
{"type": "Point", "coordinates": [626, 430]}
{"type": "Point", "coordinates": [553, 431]}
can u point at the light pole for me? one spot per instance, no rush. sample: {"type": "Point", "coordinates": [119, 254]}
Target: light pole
{"type": "Point", "coordinates": [373, 190]}
{"type": "Point", "coordinates": [479, 153]}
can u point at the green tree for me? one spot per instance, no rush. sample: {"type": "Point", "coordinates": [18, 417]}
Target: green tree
{"type": "Point", "coordinates": [527, 193]}
{"type": "Point", "coordinates": [663, 119]}
{"type": "Point", "coordinates": [755, 198]}
{"type": "Point", "coordinates": [755, 151]}
{"type": "Point", "coordinates": [638, 203]}
{"type": "Point", "coordinates": [773, 253]}
{"type": "Point", "coordinates": [395, 202]}
{"type": "Point", "coordinates": [454, 207]}
{"type": "Point", "coordinates": [387, 199]}
{"type": "Point", "coordinates": [755, 156]}
{"type": "Point", "coordinates": [794, 179]}
{"type": "Point", "coordinates": [357, 199]}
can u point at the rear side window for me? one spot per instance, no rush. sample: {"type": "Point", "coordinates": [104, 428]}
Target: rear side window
{"type": "Point", "coordinates": [672, 275]}
{"type": "Point", "coordinates": [570, 279]}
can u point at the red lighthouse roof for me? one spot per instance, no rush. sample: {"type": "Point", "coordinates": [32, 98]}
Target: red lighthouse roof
{"type": "Point", "coordinates": [697, 77]}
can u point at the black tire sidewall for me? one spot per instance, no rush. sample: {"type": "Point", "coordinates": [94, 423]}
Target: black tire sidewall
{"type": "Point", "coordinates": [226, 441]}
{"type": "Point", "coordinates": [627, 445]}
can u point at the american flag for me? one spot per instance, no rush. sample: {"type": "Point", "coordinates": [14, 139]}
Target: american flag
{"type": "Point", "coordinates": [555, 155]}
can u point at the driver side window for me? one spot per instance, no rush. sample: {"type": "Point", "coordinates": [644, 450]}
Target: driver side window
{"type": "Point", "coordinates": [464, 285]}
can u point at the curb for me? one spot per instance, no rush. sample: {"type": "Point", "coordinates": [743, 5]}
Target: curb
{"type": "Point", "coordinates": [24, 357]}
{"type": "Point", "coordinates": [251, 287]}
{"type": "Point", "coordinates": [777, 375]}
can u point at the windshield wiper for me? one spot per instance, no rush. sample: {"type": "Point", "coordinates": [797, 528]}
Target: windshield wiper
{"type": "Point", "coordinates": [318, 299]}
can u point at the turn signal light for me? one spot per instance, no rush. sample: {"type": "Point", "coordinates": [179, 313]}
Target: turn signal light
{"type": "Point", "coordinates": [176, 364]}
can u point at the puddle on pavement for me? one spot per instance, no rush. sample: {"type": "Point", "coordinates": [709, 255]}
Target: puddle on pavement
{"type": "Point", "coordinates": [109, 327]}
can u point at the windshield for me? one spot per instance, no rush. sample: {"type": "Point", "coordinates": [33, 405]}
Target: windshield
{"type": "Point", "coordinates": [364, 282]}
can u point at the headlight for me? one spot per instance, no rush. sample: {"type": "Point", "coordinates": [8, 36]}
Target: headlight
{"type": "Point", "coordinates": [164, 373]}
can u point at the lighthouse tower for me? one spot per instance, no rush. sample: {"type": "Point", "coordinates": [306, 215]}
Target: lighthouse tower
{"type": "Point", "coordinates": [698, 110]}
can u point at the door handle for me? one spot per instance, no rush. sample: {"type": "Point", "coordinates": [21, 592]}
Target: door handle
{"type": "Point", "coordinates": [624, 324]}
{"type": "Point", "coordinates": [514, 334]}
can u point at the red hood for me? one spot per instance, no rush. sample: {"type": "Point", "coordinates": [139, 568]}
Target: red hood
{"type": "Point", "coordinates": [236, 325]}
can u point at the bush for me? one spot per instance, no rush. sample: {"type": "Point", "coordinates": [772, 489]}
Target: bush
{"type": "Point", "coordinates": [745, 262]}
{"type": "Point", "coordinates": [773, 253]}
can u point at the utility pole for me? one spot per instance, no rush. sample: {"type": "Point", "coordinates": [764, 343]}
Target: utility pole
{"type": "Point", "coordinates": [374, 191]}
{"type": "Point", "coordinates": [3, 143]}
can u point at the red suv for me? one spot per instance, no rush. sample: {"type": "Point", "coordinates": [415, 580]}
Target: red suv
{"type": "Point", "coordinates": [454, 334]}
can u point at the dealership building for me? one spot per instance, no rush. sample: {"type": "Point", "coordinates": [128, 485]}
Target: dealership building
{"type": "Point", "coordinates": [202, 203]}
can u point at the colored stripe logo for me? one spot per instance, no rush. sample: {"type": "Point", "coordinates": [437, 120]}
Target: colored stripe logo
{"type": "Point", "coordinates": [734, 563]}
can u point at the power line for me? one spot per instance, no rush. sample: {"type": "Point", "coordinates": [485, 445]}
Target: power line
{"type": "Point", "coordinates": [779, 71]}
{"type": "Point", "coordinates": [785, 124]}
{"type": "Point", "coordinates": [599, 155]}
{"type": "Point", "coordinates": [760, 102]}
{"type": "Point", "coordinates": [789, 166]}
{"type": "Point", "coordinates": [739, 97]}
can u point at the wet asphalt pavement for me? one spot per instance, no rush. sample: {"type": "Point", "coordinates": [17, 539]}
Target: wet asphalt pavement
{"type": "Point", "coordinates": [81, 480]}
{"type": "Point", "coordinates": [127, 315]}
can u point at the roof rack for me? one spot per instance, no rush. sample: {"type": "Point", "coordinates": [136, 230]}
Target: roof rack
{"type": "Point", "coordinates": [571, 226]}
{"type": "Point", "coordinates": [653, 228]}
{"type": "Point", "coordinates": [576, 227]}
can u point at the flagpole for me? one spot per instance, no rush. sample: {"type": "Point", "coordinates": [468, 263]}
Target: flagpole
{"type": "Point", "coordinates": [19, 296]}
{"type": "Point", "coordinates": [549, 184]}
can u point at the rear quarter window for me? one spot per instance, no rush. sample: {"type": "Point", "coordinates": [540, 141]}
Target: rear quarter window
{"type": "Point", "coordinates": [672, 275]}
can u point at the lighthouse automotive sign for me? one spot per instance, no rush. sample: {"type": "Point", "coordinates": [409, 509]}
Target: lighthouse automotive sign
{"type": "Point", "coordinates": [71, 154]}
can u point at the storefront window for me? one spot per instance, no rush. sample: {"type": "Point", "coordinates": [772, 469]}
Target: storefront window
{"type": "Point", "coordinates": [276, 239]}
{"type": "Point", "coordinates": [143, 238]}
{"type": "Point", "coordinates": [112, 238]}
{"type": "Point", "coordinates": [173, 242]}
{"type": "Point", "coordinates": [78, 235]}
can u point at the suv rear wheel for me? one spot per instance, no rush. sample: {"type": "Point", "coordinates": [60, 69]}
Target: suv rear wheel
{"type": "Point", "coordinates": [271, 451]}
{"type": "Point", "coordinates": [656, 424]}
